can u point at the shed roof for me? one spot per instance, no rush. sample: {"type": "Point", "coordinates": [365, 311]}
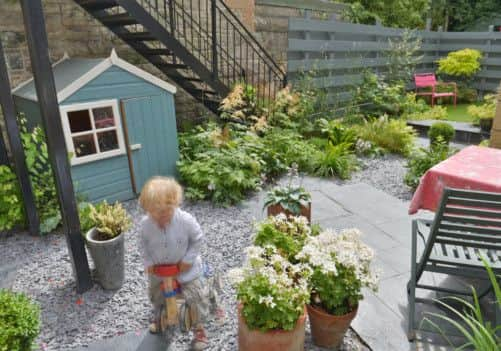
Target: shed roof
{"type": "Point", "coordinates": [71, 74]}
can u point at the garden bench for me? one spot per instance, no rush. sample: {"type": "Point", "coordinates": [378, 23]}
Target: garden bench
{"type": "Point", "coordinates": [428, 80]}
{"type": "Point", "coordinates": [467, 224]}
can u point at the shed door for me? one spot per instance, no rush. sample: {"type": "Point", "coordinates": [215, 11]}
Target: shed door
{"type": "Point", "coordinates": [150, 133]}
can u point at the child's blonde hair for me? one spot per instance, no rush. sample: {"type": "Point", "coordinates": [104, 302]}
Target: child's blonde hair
{"type": "Point", "coordinates": [161, 191]}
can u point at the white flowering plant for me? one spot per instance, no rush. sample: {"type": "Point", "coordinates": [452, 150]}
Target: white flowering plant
{"type": "Point", "coordinates": [341, 265]}
{"type": "Point", "coordinates": [287, 234]}
{"type": "Point", "coordinates": [272, 291]}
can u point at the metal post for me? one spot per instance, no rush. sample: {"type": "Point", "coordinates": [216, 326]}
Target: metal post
{"type": "Point", "coordinates": [36, 36]}
{"type": "Point", "coordinates": [17, 150]}
{"type": "Point", "coordinates": [214, 39]}
{"type": "Point", "coordinates": [4, 158]}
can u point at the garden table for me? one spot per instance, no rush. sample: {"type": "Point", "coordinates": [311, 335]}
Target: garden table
{"type": "Point", "coordinates": [474, 168]}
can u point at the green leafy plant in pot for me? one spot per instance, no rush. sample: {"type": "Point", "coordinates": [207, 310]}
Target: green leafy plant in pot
{"type": "Point", "coordinates": [272, 293]}
{"type": "Point", "coordinates": [290, 199]}
{"type": "Point", "coordinates": [341, 268]}
{"type": "Point", "coordinates": [105, 242]}
{"type": "Point", "coordinates": [484, 113]}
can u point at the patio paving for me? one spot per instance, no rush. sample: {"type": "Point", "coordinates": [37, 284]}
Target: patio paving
{"type": "Point", "coordinates": [382, 318]}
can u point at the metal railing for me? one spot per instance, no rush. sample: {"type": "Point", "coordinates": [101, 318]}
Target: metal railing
{"type": "Point", "coordinates": [220, 41]}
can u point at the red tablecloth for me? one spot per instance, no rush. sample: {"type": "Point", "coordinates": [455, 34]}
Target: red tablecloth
{"type": "Point", "coordinates": [475, 168]}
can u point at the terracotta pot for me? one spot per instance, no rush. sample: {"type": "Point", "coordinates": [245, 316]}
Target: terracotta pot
{"type": "Point", "coordinates": [273, 210]}
{"type": "Point", "coordinates": [275, 340]}
{"type": "Point", "coordinates": [328, 330]}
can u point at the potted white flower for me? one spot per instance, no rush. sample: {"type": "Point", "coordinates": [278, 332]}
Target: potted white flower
{"type": "Point", "coordinates": [341, 268]}
{"type": "Point", "coordinates": [105, 242]}
{"type": "Point", "coordinates": [272, 294]}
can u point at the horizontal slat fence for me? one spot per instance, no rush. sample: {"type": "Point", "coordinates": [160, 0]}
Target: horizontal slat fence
{"type": "Point", "coordinates": [336, 53]}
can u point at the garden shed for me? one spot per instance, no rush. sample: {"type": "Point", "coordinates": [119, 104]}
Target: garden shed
{"type": "Point", "coordinates": [119, 124]}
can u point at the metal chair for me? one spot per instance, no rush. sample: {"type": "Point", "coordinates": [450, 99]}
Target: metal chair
{"type": "Point", "coordinates": [467, 224]}
{"type": "Point", "coordinates": [428, 80]}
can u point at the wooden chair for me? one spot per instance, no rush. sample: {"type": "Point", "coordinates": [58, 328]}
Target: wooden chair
{"type": "Point", "coordinates": [428, 80]}
{"type": "Point", "coordinates": [467, 224]}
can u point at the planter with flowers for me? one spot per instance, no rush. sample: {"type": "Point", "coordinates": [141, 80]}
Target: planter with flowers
{"type": "Point", "coordinates": [290, 199]}
{"type": "Point", "coordinates": [105, 242]}
{"type": "Point", "coordinates": [341, 268]}
{"type": "Point", "coordinates": [272, 294]}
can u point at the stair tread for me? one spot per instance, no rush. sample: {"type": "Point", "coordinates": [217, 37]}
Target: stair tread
{"type": "Point", "coordinates": [120, 19]}
{"type": "Point", "coordinates": [97, 4]}
{"type": "Point", "coordinates": [139, 36]}
{"type": "Point", "coordinates": [156, 51]}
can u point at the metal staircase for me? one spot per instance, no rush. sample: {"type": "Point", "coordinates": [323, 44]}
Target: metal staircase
{"type": "Point", "coordinates": [199, 44]}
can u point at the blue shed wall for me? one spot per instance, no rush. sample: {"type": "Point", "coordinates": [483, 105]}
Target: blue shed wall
{"type": "Point", "coordinates": [110, 178]}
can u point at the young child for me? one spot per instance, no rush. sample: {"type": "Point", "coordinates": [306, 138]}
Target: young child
{"type": "Point", "coordinates": [169, 235]}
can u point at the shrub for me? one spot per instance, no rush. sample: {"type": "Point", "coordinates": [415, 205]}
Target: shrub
{"type": "Point", "coordinates": [424, 159]}
{"type": "Point", "coordinates": [19, 321]}
{"type": "Point", "coordinates": [341, 268]}
{"type": "Point", "coordinates": [286, 234]}
{"type": "Point", "coordinates": [486, 110]}
{"type": "Point", "coordinates": [272, 291]}
{"type": "Point", "coordinates": [466, 95]}
{"type": "Point", "coordinates": [11, 201]}
{"type": "Point", "coordinates": [434, 113]}
{"type": "Point", "coordinates": [461, 63]}
{"type": "Point", "coordinates": [391, 135]}
{"type": "Point", "coordinates": [402, 58]}
{"type": "Point", "coordinates": [412, 105]}
{"type": "Point", "coordinates": [376, 97]}
{"type": "Point", "coordinates": [443, 130]}
{"type": "Point", "coordinates": [290, 109]}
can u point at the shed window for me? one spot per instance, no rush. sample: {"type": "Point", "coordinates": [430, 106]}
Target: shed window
{"type": "Point", "coordinates": [93, 131]}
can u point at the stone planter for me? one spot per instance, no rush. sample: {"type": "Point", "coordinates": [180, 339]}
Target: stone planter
{"type": "Point", "coordinates": [328, 330]}
{"type": "Point", "coordinates": [485, 124]}
{"type": "Point", "coordinates": [108, 257]}
{"type": "Point", "coordinates": [255, 340]}
{"type": "Point", "coordinates": [273, 210]}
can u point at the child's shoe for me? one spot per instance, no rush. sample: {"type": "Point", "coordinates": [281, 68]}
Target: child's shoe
{"type": "Point", "coordinates": [200, 341]}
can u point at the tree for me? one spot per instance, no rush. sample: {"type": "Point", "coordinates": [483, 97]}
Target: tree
{"type": "Point", "coordinates": [392, 13]}
{"type": "Point", "coordinates": [458, 15]}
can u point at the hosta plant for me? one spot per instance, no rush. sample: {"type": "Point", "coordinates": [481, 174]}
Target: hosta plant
{"type": "Point", "coordinates": [341, 265]}
{"type": "Point", "coordinates": [109, 220]}
{"type": "Point", "coordinates": [272, 291]}
{"type": "Point", "coordinates": [291, 197]}
{"type": "Point", "coordinates": [287, 234]}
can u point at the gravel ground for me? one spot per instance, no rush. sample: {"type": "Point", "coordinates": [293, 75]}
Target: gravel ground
{"type": "Point", "coordinates": [70, 320]}
{"type": "Point", "coordinates": [385, 173]}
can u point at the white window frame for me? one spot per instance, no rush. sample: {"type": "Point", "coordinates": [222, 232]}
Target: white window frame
{"type": "Point", "coordinates": [69, 136]}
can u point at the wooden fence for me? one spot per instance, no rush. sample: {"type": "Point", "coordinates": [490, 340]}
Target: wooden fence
{"type": "Point", "coordinates": [339, 52]}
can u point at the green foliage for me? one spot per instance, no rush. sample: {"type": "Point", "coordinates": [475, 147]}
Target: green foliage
{"type": "Point", "coordinates": [461, 15]}
{"type": "Point", "coordinates": [287, 235]}
{"type": "Point", "coordinates": [486, 110]}
{"type": "Point", "coordinates": [461, 63]}
{"type": "Point", "coordinates": [389, 134]}
{"type": "Point", "coordinates": [376, 97]}
{"type": "Point", "coordinates": [11, 204]}
{"type": "Point", "coordinates": [19, 321]}
{"type": "Point", "coordinates": [391, 13]}
{"type": "Point", "coordinates": [291, 109]}
{"type": "Point", "coordinates": [335, 160]}
{"type": "Point", "coordinates": [435, 113]}
{"type": "Point", "coordinates": [42, 179]}
{"type": "Point", "coordinates": [479, 333]}
{"type": "Point", "coordinates": [425, 158]}
{"type": "Point", "coordinates": [466, 95]}
{"type": "Point", "coordinates": [442, 131]}
{"type": "Point", "coordinates": [403, 58]}
{"type": "Point", "coordinates": [109, 220]}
